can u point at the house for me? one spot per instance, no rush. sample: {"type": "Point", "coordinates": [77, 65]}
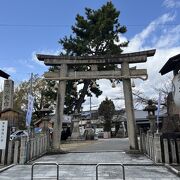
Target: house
{"type": "Point", "coordinates": [4, 75]}
{"type": "Point", "coordinates": [120, 116]}
{"type": "Point", "coordinates": [172, 123]}
{"type": "Point", "coordinates": [66, 121]}
{"type": "Point", "coordinates": [15, 118]}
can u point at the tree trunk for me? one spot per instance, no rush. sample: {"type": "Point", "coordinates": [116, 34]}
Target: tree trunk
{"type": "Point", "coordinates": [82, 95]}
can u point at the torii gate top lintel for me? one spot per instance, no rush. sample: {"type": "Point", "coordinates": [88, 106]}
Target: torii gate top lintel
{"type": "Point", "coordinates": [135, 57]}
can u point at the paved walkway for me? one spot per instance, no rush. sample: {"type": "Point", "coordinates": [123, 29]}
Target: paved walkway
{"type": "Point", "coordinates": [101, 151]}
{"type": "Point", "coordinates": [100, 145]}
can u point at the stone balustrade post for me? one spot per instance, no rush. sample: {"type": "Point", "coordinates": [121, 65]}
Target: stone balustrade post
{"type": "Point", "coordinates": [16, 152]}
{"type": "Point", "coordinates": [145, 138]}
{"type": "Point", "coordinates": [34, 148]}
{"type": "Point", "coordinates": [150, 146]}
{"type": "Point", "coordinates": [39, 139]}
{"type": "Point", "coordinates": [157, 148]}
{"type": "Point", "coordinates": [23, 150]}
{"type": "Point", "coordinates": [37, 146]}
{"type": "Point", "coordinates": [44, 143]}
{"type": "Point", "coordinates": [148, 143]}
{"type": "Point", "coordinates": [166, 151]}
{"type": "Point", "coordinates": [178, 148]}
{"type": "Point", "coordinates": [48, 141]}
{"type": "Point", "coordinates": [41, 145]}
{"type": "Point", "coordinates": [31, 148]}
{"type": "Point", "coordinates": [173, 151]}
{"type": "Point", "coordinates": [10, 152]}
{"type": "Point", "coordinates": [45, 146]}
{"type": "Point", "coordinates": [3, 156]}
{"type": "Point", "coordinates": [141, 141]}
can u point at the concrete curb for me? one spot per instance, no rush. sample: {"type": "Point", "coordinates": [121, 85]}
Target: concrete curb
{"type": "Point", "coordinates": [34, 158]}
{"type": "Point", "coordinates": [172, 169]}
{"type": "Point", "coordinates": [97, 151]}
{"type": "Point", "coordinates": [133, 152]}
{"type": "Point", "coordinates": [6, 168]}
{"type": "Point", "coordinates": [168, 166]}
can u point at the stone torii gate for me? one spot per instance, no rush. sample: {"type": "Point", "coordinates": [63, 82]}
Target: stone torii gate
{"type": "Point", "coordinates": [125, 73]}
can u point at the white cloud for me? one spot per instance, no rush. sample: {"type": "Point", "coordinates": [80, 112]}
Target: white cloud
{"type": "Point", "coordinates": [171, 3]}
{"type": "Point", "coordinates": [46, 52]}
{"type": "Point", "coordinates": [169, 38]}
{"type": "Point", "coordinates": [166, 42]}
{"type": "Point", "coordinates": [27, 63]}
{"type": "Point", "coordinates": [122, 39]}
{"type": "Point", "coordinates": [138, 42]}
{"type": "Point", "coordinates": [108, 91]}
{"type": "Point", "coordinates": [9, 70]}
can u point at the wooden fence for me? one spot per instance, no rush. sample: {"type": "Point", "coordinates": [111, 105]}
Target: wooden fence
{"type": "Point", "coordinates": [24, 150]}
{"type": "Point", "coordinates": [160, 149]}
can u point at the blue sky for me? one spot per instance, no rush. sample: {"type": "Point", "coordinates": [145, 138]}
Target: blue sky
{"type": "Point", "coordinates": [30, 27]}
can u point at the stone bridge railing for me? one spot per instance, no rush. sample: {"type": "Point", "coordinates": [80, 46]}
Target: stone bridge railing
{"type": "Point", "coordinates": [160, 149]}
{"type": "Point", "coordinates": [24, 150]}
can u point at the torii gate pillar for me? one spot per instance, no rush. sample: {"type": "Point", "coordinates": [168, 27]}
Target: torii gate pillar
{"type": "Point", "coordinates": [131, 125]}
{"type": "Point", "coordinates": [59, 110]}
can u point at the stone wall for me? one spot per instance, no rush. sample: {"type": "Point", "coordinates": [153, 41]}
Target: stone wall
{"type": "Point", "coordinates": [171, 124]}
{"type": "Point", "coordinates": [24, 150]}
{"type": "Point", "coordinates": [160, 149]}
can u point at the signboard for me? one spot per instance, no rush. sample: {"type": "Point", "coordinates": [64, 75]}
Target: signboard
{"type": "Point", "coordinates": [176, 89]}
{"type": "Point", "coordinates": [3, 133]}
{"type": "Point", "coordinates": [8, 94]}
{"type": "Point", "coordinates": [29, 110]}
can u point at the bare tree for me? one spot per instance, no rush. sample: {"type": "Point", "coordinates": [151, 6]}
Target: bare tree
{"type": "Point", "coordinates": [165, 89]}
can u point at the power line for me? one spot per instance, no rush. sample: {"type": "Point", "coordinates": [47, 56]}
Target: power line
{"type": "Point", "coordinates": [33, 25]}
{"type": "Point", "coordinates": [66, 25]}
{"type": "Point", "coordinates": [142, 25]}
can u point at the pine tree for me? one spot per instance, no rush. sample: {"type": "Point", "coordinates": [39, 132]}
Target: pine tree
{"type": "Point", "coordinates": [107, 110]}
{"type": "Point", "coordinates": [96, 33]}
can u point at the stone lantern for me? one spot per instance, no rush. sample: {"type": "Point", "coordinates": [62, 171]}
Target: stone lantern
{"type": "Point", "coordinates": [151, 108]}
{"type": "Point", "coordinates": [76, 132]}
{"type": "Point", "coordinates": [45, 118]}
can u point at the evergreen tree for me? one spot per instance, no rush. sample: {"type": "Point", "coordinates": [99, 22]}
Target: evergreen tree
{"type": "Point", "coordinates": [96, 33]}
{"type": "Point", "coordinates": [107, 109]}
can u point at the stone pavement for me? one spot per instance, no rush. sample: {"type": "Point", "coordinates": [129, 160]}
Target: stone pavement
{"type": "Point", "coordinates": [103, 145]}
{"type": "Point", "coordinates": [112, 151]}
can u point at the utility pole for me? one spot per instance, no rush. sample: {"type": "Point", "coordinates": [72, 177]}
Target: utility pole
{"type": "Point", "coordinates": [90, 107]}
